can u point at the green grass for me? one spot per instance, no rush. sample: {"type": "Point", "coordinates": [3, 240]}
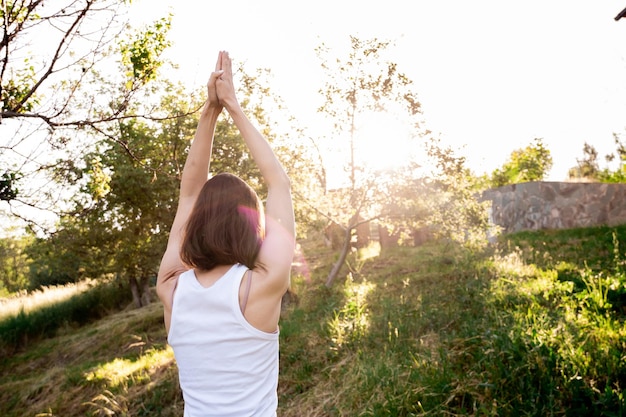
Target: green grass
{"type": "Point", "coordinates": [532, 327]}
{"type": "Point", "coordinates": [432, 331]}
{"type": "Point", "coordinates": [591, 247]}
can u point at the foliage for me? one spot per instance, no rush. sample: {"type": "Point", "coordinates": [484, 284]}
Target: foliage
{"type": "Point", "coordinates": [141, 54]}
{"type": "Point", "coordinates": [8, 190]}
{"type": "Point", "coordinates": [298, 154]}
{"type": "Point", "coordinates": [79, 47]}
{"type": "Point", "coordinates": [128, 189]}
{"type": "Point", "coordinates": [361, 83]}
{"type": "Point", "coordinates": [410, 199]}
{"type": "Point", "coordinates": [618, 175]}
{"type": "Point", "coordinates": [453, 206]}
{"type": "Point", "coordinates": [17, 92]}
{"type": "Point", "coordinates": [531, 163]}
{"type": "Point", "coordinates": [13, 264]}
{"type": "Point", "coordinates": [588, 166]}
{"type": "Point", "coordinates": [55, 260]}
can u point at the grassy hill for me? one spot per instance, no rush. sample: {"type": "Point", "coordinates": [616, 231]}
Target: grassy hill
{"type": "Point", "coordinates": [534, 326]}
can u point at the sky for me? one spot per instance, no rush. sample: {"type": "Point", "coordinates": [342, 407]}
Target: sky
{"type": "Point", "coordinates": [491, 75]}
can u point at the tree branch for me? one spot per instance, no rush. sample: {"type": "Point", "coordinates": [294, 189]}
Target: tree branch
{"type": "Point", "coordinates": [91, 123]}
{"type": "Point", "coordinates": [56, 56]}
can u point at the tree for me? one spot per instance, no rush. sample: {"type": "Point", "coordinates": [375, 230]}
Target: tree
{"type": "Point", "coordinates": [93, 139]}
{"type": "Point", "coordinates": [125, 202]}
{"type": "Point", "coordinates": [588, 166]}
{"type": "Point", "coordinates": [13, 264]}
{"type": "Point", "coordinates": [55, 259]}
{"type": "Point", "coordinates": [529, 164]}
{"type": "Point", "coordinates": [120, 216]}
{"type": "Point", "coordinates": [453, 203]}
{"type": "Point", "coordinates": [617, 175]}
{"type": "Point", "coordinates": [54, 56]}
{"type": "Point", "coordinates": [133, 189]}
{"type": "Point", "coordinates": [360, 84]}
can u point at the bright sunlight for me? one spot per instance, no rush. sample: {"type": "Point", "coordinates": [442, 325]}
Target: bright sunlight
{"type": "Point", "coordinates": [383, 141]}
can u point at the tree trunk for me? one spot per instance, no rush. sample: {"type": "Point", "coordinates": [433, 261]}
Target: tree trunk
{"type": "Point", "coordinates": [134, 289]}
{"type": "Point", "coordinates": [342, 258]}
{"type": "Point", "coordinates": [146, 295]}
{"type": "Point", "coordinates": [141, 291]}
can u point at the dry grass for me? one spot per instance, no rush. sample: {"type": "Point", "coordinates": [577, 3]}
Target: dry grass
{"type": "Point", "coordinates": [30, 301]}
{"type": "Point", "coordinates": [102, 369]}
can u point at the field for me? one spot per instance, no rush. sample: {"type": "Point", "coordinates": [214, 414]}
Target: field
{"type": "Point", "coordinates": [532, 326]}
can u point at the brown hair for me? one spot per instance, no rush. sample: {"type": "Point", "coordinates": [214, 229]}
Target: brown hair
{"type": "Point", "coordinates": [226, 225]}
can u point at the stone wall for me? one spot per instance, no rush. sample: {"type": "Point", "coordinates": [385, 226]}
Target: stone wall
{"type": "Point", "coordinates": [556, 205]}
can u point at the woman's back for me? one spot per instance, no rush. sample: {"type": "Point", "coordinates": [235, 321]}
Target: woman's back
{"type": "Point", "coordinates": [226, 366]}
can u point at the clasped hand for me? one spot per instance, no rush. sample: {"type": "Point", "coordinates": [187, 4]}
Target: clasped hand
{"type": "Point", "coordinates": [221, 90]}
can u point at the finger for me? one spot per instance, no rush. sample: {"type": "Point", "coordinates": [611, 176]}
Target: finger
{"type": "Point", "coordinates": [227, 64]}
{"type": "Point", "coordinates": [218, 64]}
{"type": "Point", "coordinates": [215, 76]}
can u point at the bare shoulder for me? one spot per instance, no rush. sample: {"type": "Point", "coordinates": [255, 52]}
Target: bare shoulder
{"type": "Point", "coordinates": [170, 269]}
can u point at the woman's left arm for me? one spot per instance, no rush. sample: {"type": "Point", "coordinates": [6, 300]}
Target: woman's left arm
{"type": "Point", "coordinates": [276, 253]}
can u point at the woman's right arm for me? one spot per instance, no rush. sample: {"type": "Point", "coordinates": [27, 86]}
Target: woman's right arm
{"type": "Point", "coordinates": [277, 250]}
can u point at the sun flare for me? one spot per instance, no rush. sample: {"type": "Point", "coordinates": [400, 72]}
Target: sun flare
{"type": "Point", "coordinates": [383, 142]}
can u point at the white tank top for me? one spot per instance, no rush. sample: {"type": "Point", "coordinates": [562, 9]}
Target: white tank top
{"type": "Point", "coordinates": [226, 366]}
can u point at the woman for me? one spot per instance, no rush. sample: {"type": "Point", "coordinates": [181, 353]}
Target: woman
{"type": "Point", "coordinates": [225, 270]}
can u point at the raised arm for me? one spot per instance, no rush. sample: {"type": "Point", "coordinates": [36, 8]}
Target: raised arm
{"type": "Point", "coordinates": [276, 253]}
{"type": "Point", "coordinates": [195, 174]}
